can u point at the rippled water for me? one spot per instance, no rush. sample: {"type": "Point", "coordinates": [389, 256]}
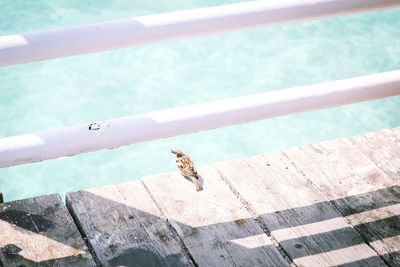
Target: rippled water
{"type": "Point", "coordinates": [65, 92]}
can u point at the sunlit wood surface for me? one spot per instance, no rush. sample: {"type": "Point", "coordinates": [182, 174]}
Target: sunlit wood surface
{"type": "Point", "coordinates": [327, 204]}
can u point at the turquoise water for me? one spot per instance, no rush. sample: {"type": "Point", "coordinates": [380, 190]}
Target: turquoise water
{"type": "Point", "coordinates": [69, 91]}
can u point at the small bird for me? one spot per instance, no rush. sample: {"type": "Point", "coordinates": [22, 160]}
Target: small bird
{"type": "Point", "coordinates": [187, 168]}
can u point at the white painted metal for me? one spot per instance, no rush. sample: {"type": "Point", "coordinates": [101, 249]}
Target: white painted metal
{"type": "Point", "coordinates": [144, 127]}
{"type": "Point", "coordinates": [28, 47]}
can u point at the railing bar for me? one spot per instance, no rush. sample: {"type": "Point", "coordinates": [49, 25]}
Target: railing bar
{"type": "Point", "coordinates": [96, 37]}
{"type": "Point", "coordinates": [155, 125]}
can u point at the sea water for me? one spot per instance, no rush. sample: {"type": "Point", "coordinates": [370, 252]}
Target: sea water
{"type": "Point", "coordinates": [81, 89]}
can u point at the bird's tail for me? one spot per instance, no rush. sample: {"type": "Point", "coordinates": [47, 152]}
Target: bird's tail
{"type": "Point", "coordinates": [197, 183]}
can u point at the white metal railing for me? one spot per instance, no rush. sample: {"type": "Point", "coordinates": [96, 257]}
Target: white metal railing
{"type": "Point", "coordinates": [15, 49]}
{"type": "Point", "coordinates": [149, 126]}
{"type": "Point", "coordinates": [28, 47]}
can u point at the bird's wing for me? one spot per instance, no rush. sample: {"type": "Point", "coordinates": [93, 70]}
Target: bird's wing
{"type": "Point", "coordinates": [186, 166]}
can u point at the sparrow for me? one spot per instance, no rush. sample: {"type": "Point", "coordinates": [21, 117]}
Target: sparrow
{"type": "Point", "coordinates": [187, 168]}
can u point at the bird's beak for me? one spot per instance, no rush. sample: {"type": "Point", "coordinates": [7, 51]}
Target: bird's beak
{"type": "Point", "coordinates": [173, 151]}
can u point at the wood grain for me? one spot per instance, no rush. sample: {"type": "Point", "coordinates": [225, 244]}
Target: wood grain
{"type": "Point", "coordinates": [125, 228]}
{"type": "Point", "coordinates": [307, 226]}
{"type": "Point", "coordinates": [40, 232]}
{"type": "Point", "coordinates": [332, 203]}
{"type": "Point", "coordinates": [214, 225]}
{"type": "Point", "coordinates": [383, 148]}
{"type": "Point", "coordinates": [358, 176]}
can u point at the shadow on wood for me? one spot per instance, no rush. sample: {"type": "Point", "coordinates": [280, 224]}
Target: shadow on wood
{"type": "Point", "coordinates": [119, 237]}
{"type": "Point", "coordinates": [40, 232]}
{"type": "Point", "coordinates": [326, 204]}
{"type": "Point", "coordinates": [11, 255]}
{"type": "Point", "coordinates": [131, 237]}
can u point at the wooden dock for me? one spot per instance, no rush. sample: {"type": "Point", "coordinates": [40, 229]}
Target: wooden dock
{"type": "Point", "coordinates": [336, 203]}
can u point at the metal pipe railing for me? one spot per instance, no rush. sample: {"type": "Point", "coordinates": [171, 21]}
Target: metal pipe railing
{"type": "Point", "coordinates": [28, 47]}
{"type": "Point", "coordinates": [155, 125]}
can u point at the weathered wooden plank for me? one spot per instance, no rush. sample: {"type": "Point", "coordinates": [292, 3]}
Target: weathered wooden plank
{"type": "Point", "coordinates": [214, 225]}
{"type": "Point", "coordinates": [393, 136]}
{"type": "Point", "coordinates": [380, 221]}
{"type": "Point", "coordinates": [125, 228]}
{"type": "Point", "coordinates": [307, 226]}
{"type": "Point", "coordinates": [382, 148]}
{"type": "Point", "coordinates": [358, 188]}
{"type": "Point", "coordinates": [40, 232]}
{"type": "Point", "coordinates": [339, 168]}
